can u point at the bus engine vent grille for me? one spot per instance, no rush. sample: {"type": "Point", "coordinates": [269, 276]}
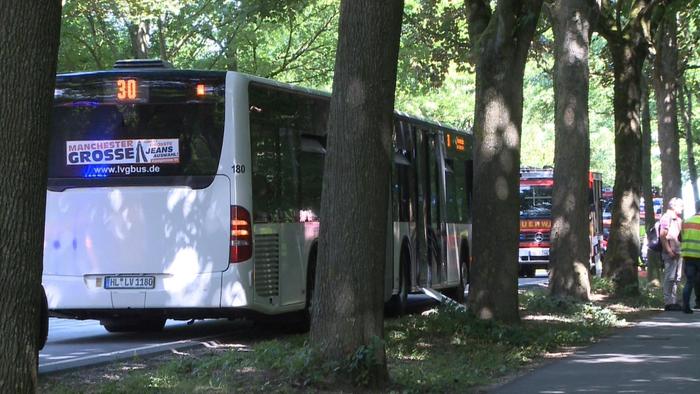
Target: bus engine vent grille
{"type": "Point", "coordinates": [267, 265]}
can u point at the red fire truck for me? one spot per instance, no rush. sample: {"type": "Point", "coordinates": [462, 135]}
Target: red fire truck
{"type": "Point", "coordinates": [536, 219]}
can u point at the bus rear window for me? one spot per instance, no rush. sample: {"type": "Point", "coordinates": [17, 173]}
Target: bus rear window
{"type": "Point", "coordinates": [145, 131]}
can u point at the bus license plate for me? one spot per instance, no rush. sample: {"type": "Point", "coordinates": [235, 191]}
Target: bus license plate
{"type": "Point", "coordinates": [130, 282]}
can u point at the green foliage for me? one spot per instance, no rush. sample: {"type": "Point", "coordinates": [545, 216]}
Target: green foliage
{"type": "Point", "coordinates": [451, 103]}
{"type": "Point", "coordinates": [295, 41]}
{"type": "Point", "coordinates": [601, 285]}
{"type": "Point", "coordinates": [450, 348]}
{"type": "Point", "coordinates": [294, 359]}
{"type": "Point", "coordinates": [443, 350]}
{"type": "Point", "coordinates": [292, 41]}
{"type": "Point", "coordinates": [585, 313]}
{"type": "Point", "coordinates": [434, 39]}
{"type": "Point", "coordinates": [299, 362]}
{"type": "Point", "coordinates": [650, 296]}
{"type": "Point", "coordinates": [364, 362]}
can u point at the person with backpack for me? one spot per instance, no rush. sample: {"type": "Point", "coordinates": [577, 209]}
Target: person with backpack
{"type": "Point", "coordinates": [690, 250]}
{"type": "Point", "coordinates": [670, 226]}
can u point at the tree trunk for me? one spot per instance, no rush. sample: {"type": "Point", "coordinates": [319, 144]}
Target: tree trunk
{"type": "Point", "coordinates": [623, 248]}
{"type": "Point", "coordinates": [28, 49]}
{"type": "Point", "coordinates": [348, 311]}
{"type": "Point", "coordinates": [162, 44]}
{"type": "Point", "coordinates": [653, 260]}
{"type": "Point", "coordinates": [687, 108]}
{"type": "Point", "coordinates": [140, 39]}
{"type": "Point", "coordinates": [501, 52]}
{"type": "Point", "coordinates": [570, 253]}
{"type": "Point", "coordinates": [666, 86]}
{"type": "Point", "coordinates": [232, 53]}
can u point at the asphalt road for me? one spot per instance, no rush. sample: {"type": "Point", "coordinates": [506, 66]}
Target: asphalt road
{"type": "Point", "coordinates": [75, 343]}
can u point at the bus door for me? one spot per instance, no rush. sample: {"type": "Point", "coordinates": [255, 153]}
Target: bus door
{"type": "Point", "coordinates": [430, 205]}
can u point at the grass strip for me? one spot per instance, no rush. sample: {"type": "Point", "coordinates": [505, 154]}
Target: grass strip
{"type": "Point", "coordinates": [440, 350]}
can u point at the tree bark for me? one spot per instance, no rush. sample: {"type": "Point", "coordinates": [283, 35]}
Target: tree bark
{"type": "Point", "coordinates": [232, 53]}
{"type": "Point", "coordinates": [653, 260]}
{"type": "Point", "coordinates": [28, 49]}
{"type": "Point", "coordinates": [570, 253]}
{"type": "Point", "coordinates": [666, 87]}
{"type": "Point", "coordinates": [348, 304]}
{"type": "Point", "coordinates": [629, 48]}
{"type": "Point", "coordinates": [501, 41]}
{"type": "Point", "coordinates": [140, 39]}
{"type": "Point", "coordinates": [162, 44]}
{"type": "Point", "coordinates": [686, 102]}
{"type": "Point", "coordinates": [623, 248]}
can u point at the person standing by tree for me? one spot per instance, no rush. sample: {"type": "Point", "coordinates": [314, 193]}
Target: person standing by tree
{"type": "Point", "coordinates": [669, 234]}
{"type": "Point", "coordinates": [690, 251]}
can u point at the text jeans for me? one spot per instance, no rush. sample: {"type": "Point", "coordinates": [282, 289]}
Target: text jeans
{"type": "Point", "coordinates": [691, 267]}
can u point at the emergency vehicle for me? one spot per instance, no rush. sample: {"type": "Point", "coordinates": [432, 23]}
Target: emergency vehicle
{"type": "Point", "coordinates": [536, 219]}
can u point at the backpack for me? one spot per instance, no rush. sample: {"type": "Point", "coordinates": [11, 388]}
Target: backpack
{"type": "Point", "coordinates": [653, 241]}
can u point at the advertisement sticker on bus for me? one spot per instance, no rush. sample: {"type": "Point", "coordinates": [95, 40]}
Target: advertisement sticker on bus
{"type": "Point", "coordinates": [140, 151]}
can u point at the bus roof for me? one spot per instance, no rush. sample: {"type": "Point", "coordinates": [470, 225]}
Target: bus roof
{"type": "Point", "coordinates": [319, 93]}
{"type": "Point", "coordinates": [252, 78]}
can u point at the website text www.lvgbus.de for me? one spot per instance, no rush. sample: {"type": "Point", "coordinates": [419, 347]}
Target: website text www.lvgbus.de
{"type": "Point", "coordinates": [124, 170]}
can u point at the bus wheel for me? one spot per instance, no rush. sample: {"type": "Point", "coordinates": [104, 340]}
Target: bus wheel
{"type": "Point", "coordinates": [305, 318]}
{"type": "Point", "coordinates": [463, 281]}
{"type": "Point", "coordinates": [44, 321]}
{"type": "Point", "coordinates": [457, 293]}
{"type": "Point", "coordinates": [527, 271]}
{"type": "Point", "coordinates": [530, 273]}
{"type": "Point", "coordinates": [133, 325]}
{"type": "Point", "coordinates": [308, 309]}
{"type": "Point", "coordinates": [398, 304]}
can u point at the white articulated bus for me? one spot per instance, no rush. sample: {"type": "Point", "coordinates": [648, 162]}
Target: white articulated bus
{"type": "Point", "coordinates": [195, 194]}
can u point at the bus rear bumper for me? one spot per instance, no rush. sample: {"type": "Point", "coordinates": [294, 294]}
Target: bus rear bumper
{"type": "Point", "coordinates": [87, 292]}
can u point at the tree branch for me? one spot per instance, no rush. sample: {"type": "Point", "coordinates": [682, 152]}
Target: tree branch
{"type": "Point", "coordinates": [606, 24]}
{"type": "Point", "coordinates": [305, 47]}
{"type": "Point", "coordinates": [479, 18]}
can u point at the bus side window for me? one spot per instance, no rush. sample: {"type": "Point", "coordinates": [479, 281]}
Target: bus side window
{"type": "Point", "coordinates": [311, 161]}
{"type": "Point", "coordinates": [265, 174]}
{"type": "Point", "coordinates": [454, 196]}
{"type": "Point", "coordinates": [401, 173]}
{"type": "Point", "coordinates": [458, 184]}
{"type": "Point", "coordinates": [274, 143]}
{"type": "Point", "coordinates": [288, 165]}
{"type": "Point", "coordinates": [468, 182]}
{"type": "Point", "coordinates": [312, 122]}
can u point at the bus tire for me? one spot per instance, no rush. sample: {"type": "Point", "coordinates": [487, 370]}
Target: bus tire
{"type": "Point", "coordinates": [307, 313]}
{"type": "Point", "coordinates": [527, 271]}
{"type": "Point", "coordinates": [398, 304]}
{"type": "Point", "coordinates": [133, 325]}
{"type": "Point", "coordinates": [44, 321]}
{"type": "Point", "coordinates": [463, 274]}
{"type": "Point", "coordinates": [530, 271]}
{"type": "Point", "coordinates": [457, 293]}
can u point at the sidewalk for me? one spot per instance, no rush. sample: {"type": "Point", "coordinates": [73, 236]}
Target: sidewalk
{"type": "Point", "coordinates": [658, 355]}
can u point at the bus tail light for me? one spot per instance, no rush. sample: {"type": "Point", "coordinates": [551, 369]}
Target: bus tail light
{"type": "Point", "coordinates": [241, 235]}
